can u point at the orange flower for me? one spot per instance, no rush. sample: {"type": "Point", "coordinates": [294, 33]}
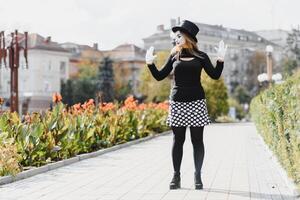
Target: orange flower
{"type": "Point", "coordinates": [129, 99]}
{"type": "Point", "coordinates": [90, 102]}
{"type": "Point", "coordinates": [162, 106]}
{"type": "Point", "coordinates": [76, 106]}
{"type": "Point", "coordinates": [88, 106]}
{"type": "Point", "coordinates": [130, 103]}
{"type": "Point", "coordinates": [142, 106]}
{"type": "Point", "coordinates": [151, 105]}
{"type": "Point", "coordinates": [106, 106]}
{"type": "Point", "coordinates": [56, 97]}
{"type": "Point", "coordinates": [84, 106]}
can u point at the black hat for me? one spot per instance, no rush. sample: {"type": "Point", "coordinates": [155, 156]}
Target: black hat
{"type": "Point", "coordinates": [187, 27]}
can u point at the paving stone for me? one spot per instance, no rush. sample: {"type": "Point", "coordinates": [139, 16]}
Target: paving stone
{"type": "Point", "coordinates": [237, 165]}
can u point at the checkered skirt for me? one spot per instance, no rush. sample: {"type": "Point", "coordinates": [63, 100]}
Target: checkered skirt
{"type": "Point", "coordinates": [193, 113]}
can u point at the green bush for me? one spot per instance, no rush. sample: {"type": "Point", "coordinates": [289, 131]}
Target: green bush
{"type": "Point", "coordinates": [276, 113]}
{"type": "Point", "coordinates": [240, 113]}
{"type": "Point", "coordinates": [216, 96]}
{"type": "Point", "coordinates": [9, 159]}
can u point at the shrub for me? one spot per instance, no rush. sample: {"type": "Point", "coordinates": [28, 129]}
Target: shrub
{"type": "Point", "coordinates": [276, 113]}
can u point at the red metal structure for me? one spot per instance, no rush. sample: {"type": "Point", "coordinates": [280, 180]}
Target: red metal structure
{"type": "Point", "coordinates": [12, 51]}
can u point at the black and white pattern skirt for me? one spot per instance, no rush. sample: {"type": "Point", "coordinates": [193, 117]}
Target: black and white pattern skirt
{"type": "Point", "coordinates": [193, 113]}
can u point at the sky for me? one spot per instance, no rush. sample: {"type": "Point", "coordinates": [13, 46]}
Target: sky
{"type": "Point", "coordinates": [113, 22]}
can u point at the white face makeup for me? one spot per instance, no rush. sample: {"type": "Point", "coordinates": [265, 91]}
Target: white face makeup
{"type": "Point", "coordinates": [179, 39]}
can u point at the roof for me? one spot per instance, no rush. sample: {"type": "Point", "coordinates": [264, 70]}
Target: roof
{"type": "Point", "coordinates": [79, 51]}
{"type": "Point", "coordinates": [127, 52]}
{"type": "Point", "coordinates": [80, 47]}
{"type": "Point", "coordinates": [36, 41]}
{"type": "Point", "coordinates": [215, 31]}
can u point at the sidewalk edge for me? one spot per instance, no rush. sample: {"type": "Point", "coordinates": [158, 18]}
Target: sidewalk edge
{"type": "Point", "coordinates": [39, 170]}
{"type": "Point", "coordinates": [289, 181]}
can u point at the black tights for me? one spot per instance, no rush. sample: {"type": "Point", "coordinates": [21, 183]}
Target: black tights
{"type": "Point", "coordinates": [198, 146]}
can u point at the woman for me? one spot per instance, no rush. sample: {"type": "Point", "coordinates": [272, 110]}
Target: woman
{"type": "Point", "coordinates": [187, 99]}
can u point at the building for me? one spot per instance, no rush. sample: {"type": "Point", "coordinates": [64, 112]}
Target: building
{"type": "Point", "coordinates": [276, 36]}
{"type": "Point", "coordinates": [48, 64]}
{"type": "Point", "coordinates": [128, 59]}
{"type": "Point", "coordinates": [81, 53]}
{"type": "Point", "coordinates": [281, 37]}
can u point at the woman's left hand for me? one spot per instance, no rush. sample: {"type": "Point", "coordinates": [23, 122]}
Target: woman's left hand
{"type": "Point", "coordinates": [221, 51]}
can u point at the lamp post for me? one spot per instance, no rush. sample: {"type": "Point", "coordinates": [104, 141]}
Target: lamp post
{"type": "Point", "coordinates": [263, 78]}
{"type": "Point", "coordinates": [12, 51]}
{"type": "Point", "coordinates": [269, 50]}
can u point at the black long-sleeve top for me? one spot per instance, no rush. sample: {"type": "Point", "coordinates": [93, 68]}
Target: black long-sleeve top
{"type": "Point", "coordinates": [187, 85]}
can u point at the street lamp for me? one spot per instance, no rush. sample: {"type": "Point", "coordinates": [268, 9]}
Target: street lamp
{"type": "Point", "coordinates": [269, 50]}
{"type": "Point", "coordinates": [12, 53]}
{"type": "Point", "coordinates": [277, 78]}
{"type": "Point", "coordinates": [262, 77]}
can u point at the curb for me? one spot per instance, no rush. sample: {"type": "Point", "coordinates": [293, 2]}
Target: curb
{"type": "Point", "coordinates": [39, 170]}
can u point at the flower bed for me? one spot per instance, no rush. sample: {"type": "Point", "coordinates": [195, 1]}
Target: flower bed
{"type": "Point", "coordinates": [60, 133]}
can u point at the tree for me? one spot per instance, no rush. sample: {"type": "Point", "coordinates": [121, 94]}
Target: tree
{"type": "Point", "coordinates": [289, 66]}
{"type": "Point", "coordinates": [242, 95]}
{"type": "Point", "coordinates": [156, 91]}
{"type": "Point", "coordinates": [122, 86]}
{"type": "Point", "coordinates": [257, 65]}
{"type": "Point", "coordinates": [293, 41]}
{"type": "Point", "coordinates": [81, 87]}
{"type": "Point", "coordinates": [216, 95]}
{"type": "Point", "coordinates": [240, 112]}
{"type": "Point", "coordinates": [84, 89]}
{"type": "Point", "coordinates": [87, 69]}
{"type": "Point", "coordinates": [122, 91]}
{"type": "Point", "coordinates": [105, 80]}
{"type": "Point", "coordinates": [67, 92]}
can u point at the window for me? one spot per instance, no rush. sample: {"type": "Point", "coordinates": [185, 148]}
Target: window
{"type": "Point", "coordinates": [49, 65]}
{"type": "Point", "coordinates": [62, 67]}
{"type": "Point", "coordinates": [8, 86]}
{"type": "Point", "coordinates": [46, 86]}
{"type": "Point", "coordinates": [211, 49]}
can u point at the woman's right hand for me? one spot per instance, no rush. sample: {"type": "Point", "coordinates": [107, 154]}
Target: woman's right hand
{"type": "Point", "coordinates": [174, 50]}
{"type": "Point", "coordinates": [149, 56]}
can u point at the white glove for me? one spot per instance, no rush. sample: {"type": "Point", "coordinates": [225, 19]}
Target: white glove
{"type": "Point", "coordinates": [149, 56]}
{"type": "Point", "coordinates": [221, 51]}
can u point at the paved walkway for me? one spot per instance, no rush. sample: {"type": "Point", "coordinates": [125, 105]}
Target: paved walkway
{"type": "Point", "coordinates": [237, 165]}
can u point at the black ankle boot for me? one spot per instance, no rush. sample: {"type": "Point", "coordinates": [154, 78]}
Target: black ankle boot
{"type": "Point", "coordinates": [198, 181]}
{"type": "Point", "coordinates": [175, 183]}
